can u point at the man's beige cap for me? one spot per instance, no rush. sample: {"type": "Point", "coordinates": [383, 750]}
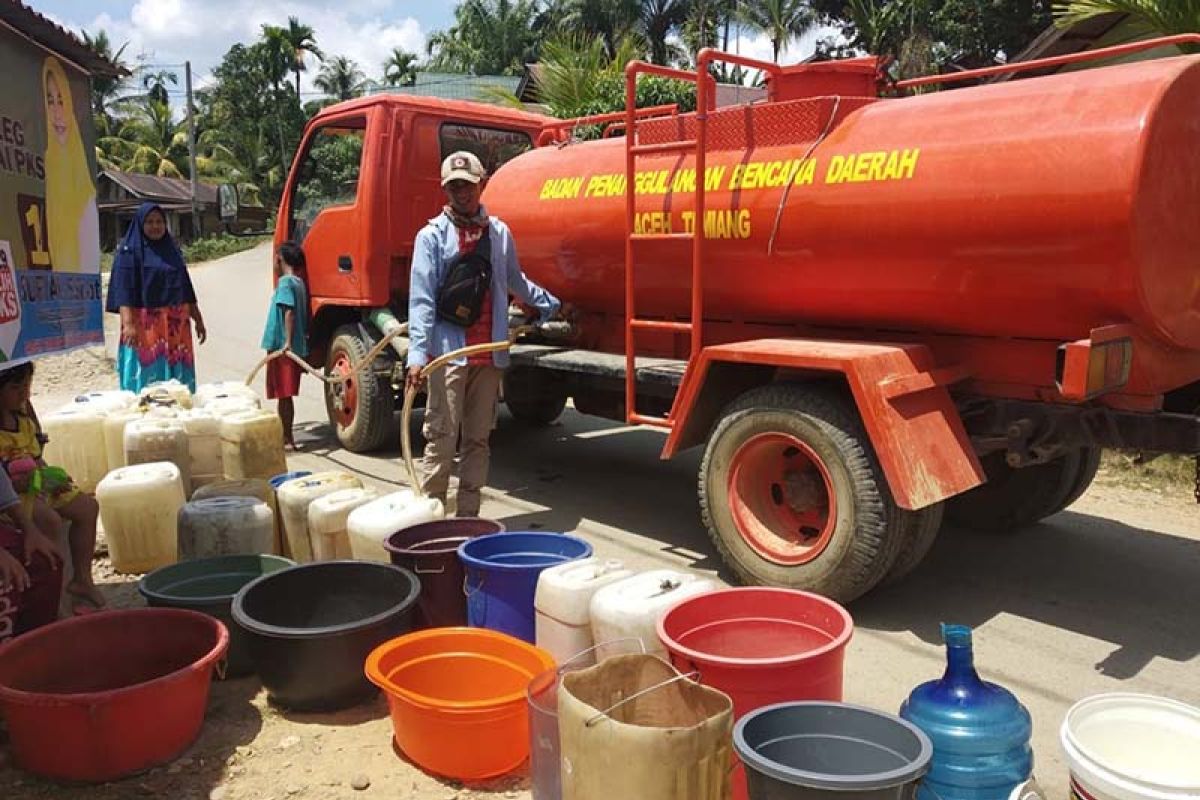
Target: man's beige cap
{"type": "Point", "coordinates": [462, 166]}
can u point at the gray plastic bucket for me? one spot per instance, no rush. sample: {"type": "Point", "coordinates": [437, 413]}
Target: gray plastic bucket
{"type": "Point", "coordinates": [811, 750]}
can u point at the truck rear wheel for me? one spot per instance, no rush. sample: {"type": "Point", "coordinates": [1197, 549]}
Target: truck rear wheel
{"type": "Point", "coordinates": [534, 396]}
{"type": "Point", "coordinates": [361, 408]}
{"type": "Point", "coordinates": [1089, 465]}
{"type": "Point", "coordinates": [920, 532]}
{"type": "Point", "coordinates": [1014, 498]}
{"type": "Point", "coordinates": [792, 494]}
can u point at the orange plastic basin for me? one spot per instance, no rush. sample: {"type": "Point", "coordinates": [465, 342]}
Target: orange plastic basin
{"type": "Point", "coordinates": [457, 698]}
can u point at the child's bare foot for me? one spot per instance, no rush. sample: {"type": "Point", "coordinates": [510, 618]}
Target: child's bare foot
{"type": "Point", "coordinates": [290, 445]}
{"type": "Point", "coordinates": [88, 593]}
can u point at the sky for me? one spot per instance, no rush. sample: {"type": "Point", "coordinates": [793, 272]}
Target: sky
{"type": "Point", "coordinates": [165, 33]}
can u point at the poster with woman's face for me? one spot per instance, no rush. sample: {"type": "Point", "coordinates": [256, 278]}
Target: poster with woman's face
{"type": "Point", "coordinates": [50, 296]}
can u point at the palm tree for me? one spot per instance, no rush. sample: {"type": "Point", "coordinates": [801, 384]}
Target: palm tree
{"type": "Point", "coordinates": [1149, 17]}
{"type": "Point", "coordinates": [489, 37]}
{"type": "Point", "coordinates": [303, 43]}
{"type": "Point", "coordinates": [400, 69]}
{"type": "Point", "coordinates": [659, 19]}
{"type": "Point", "coordinates": [155, 84]}
{"type": "Point", "coordinates": [106, 88]}
{"type": "Point", "coordinates": [611, 19]}
{"type": "Point", "coordinates": [340, 77]}
{"type": "Point", "coordinates": [781, 21]}
{"type": "Point", "coordinates": [278, 56]}
{"type": "Point", "coordinates": [150, 142]}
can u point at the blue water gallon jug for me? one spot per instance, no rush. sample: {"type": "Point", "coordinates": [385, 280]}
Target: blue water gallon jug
{"type": "Point", "coordinates": [980, 731]}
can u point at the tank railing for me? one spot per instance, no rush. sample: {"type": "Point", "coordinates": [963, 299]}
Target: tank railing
{"type": "Point", "coordinates": [710, 55]}
{"type": "Point", "coordinates": [1052, 61]}
{"type": "Point", "coordinates": [559, 126]}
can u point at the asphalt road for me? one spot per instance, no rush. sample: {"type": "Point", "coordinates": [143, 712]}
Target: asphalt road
{"type": "Point", "coordinates": [1101, 598]}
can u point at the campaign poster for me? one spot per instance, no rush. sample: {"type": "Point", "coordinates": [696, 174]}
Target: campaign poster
{"type": "Point", "coordinates": [50, 295]}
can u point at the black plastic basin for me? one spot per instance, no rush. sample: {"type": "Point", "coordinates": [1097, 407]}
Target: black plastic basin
{"type": "Point", "coordinates": [310, 628]}
{"type": "Point", "coordinates": [208, 585]}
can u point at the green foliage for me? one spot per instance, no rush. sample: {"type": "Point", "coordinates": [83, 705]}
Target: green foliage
{"type": "Point", "coordinates": [577, 78]}
{"type": "Point", "coordinates": [250, 120]}
{"type": "Point", "coordinates": [105, 88]}
{"type": "Point", "coordinates": [340, 78]}
{"type": "Point", "coordinates": [219, 246]}
{"type": "Point", "coordinates": [489, 37]}
{"type": "Point", "coordinates": [781, 20]}
{"type": "Point", "coordinates": [934, 35]}
{"type": "Point", "coordinates": [400, 68]}
{"type": "Point", "coordinates": [329, 175]}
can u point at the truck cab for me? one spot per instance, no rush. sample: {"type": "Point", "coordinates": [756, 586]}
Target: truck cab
{"type": "Point", "coordinates": [365, 180]}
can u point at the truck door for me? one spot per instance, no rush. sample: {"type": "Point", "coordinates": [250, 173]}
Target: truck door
{"type": "Point", "coordinates": [325, 212]}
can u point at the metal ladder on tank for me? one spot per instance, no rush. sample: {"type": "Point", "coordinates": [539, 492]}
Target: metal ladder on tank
{"type": "Point", "coordinates": [705, 88]}
{"type": "Point", "coordinates": [705, 104]}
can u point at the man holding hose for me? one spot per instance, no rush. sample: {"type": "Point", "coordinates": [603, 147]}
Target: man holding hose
{"type": "Point", "coordinates": [464, 266]}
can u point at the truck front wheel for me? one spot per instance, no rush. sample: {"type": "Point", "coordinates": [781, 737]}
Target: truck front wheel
{"type": "Point", "coordinates": [792, 494]}
{"type": "Point", "coordinates": [361, 407]}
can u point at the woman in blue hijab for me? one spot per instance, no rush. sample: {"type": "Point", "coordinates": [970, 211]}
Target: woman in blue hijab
{"type": "Point", "coordinates": [151, 290]}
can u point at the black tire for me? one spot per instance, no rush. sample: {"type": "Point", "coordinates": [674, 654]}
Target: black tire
{"type": "Point", "coordinates": [534, 396]}
{"type": "Point", "coordinates": [1089, 465]}
{"type": "Point", "coordinates": [1016, 498]}
{"type": "Point", "coordinates": [920, 532]}
{"type": "Point", "coordinates": [368, 426]}
{"type": "Point", "coordinates": [866, 536]}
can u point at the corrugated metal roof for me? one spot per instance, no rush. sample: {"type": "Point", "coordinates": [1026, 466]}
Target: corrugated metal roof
{"type": "Point", "coordinates": [1104, 30]}
{"type": "Point", "coordinates": [45, 32]}
{"type": "Point", "coordinates": [162, 190]}
{"type": "Point", "coordinates": [452, 86]}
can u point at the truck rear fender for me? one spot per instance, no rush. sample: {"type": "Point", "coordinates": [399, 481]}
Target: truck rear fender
{"type": "Point", "coordinates": [900, 393]}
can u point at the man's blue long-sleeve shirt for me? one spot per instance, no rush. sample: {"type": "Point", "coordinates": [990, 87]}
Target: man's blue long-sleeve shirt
{"type": "Point", "coordinates": [435, 247]}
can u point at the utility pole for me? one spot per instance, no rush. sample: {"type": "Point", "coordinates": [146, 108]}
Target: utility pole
{"type": "Point", "coordinates": [191, 120]}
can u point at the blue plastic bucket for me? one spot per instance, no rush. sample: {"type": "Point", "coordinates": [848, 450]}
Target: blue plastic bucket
{"type": "Point", "coordinates": [280, 480]}
{"type": "Point", "coordinates": [502, 575]}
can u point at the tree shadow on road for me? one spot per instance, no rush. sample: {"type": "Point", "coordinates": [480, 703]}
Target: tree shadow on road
{"type": "Point", "coordinates": [1137, 589]}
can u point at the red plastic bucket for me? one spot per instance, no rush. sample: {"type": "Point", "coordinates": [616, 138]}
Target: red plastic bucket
{"type": "Point", "coordinates": [760, 646]}
{"type": "Point", "coordinates": [98, 697]}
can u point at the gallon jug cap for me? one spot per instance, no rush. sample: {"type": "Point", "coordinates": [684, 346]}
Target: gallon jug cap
{"type": "Point", "coordinates": [956, 635]}
{"type": "Point", "coordinates": [669, 585]}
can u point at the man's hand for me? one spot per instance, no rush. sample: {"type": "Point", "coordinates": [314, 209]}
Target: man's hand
{"type": "Point", "coordinates": [38, 542]}
{"type": "Point", "coordinates": [413, 379]}
{"type": "Point", "coordinates": [12, 574]}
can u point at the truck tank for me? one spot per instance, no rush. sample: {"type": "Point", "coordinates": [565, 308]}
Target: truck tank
{"type": "Point", "coordinates": [1039, 208]}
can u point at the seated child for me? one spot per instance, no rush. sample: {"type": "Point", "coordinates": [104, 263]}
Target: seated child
{"type": "Point", "coordinates": [30, 569]}
{"type": "Point", "coordinates": [21, 440]}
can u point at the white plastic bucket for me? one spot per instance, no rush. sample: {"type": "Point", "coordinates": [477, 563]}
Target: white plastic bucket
{"type": "Point", "coordinates": [1132, 747]}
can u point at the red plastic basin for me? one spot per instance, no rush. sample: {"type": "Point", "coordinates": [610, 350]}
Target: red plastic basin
{"type": "Point", "coordinates": [760, 646]}
{"type": "Point", "coordinates": [98, 697]}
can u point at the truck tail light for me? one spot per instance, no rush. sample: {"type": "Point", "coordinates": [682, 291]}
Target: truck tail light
{"type": "Point", "coordinates": [1092, 367]}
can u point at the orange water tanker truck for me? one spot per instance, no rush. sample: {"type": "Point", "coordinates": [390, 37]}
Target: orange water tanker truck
{"type": "Point", "coordinates": [871, 311]}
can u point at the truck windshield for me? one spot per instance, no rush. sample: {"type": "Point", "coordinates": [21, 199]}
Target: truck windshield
{"type": "Point", "coordinates": [493, 146]}
{"type": "Point", "coordinates": [328, 175]}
